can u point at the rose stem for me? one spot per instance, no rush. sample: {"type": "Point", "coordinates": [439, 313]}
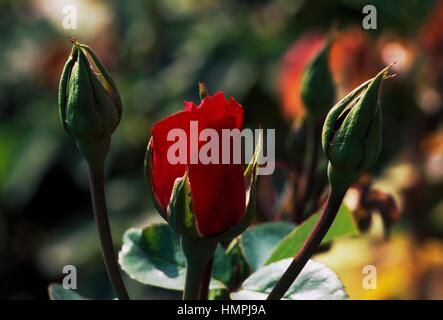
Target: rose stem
{"type": "Point", "coordinates": [204, 288]}
{"type": "Point", "coordinates": [309, 246]}
{"type": "Point", "coordinates": [96, 184]}
{"type": "Point", "coordinates": [313, 141]}
{"type": "Point", "coordinates": [192, 283]}
{"type": "Point", "coordinates": [198, 253]}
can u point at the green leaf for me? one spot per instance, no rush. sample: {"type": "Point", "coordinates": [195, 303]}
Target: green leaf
{"type": "Point", "coordinates": [222, 266]}
{"type": "Point", "coordinates": [343, 225]}
{"type": "Point", "coordinates": [154, 256]}
{"type": "Point", "coordinates": [315, 282]}
{"type": "Point", "coordinates": [258, 242]}
{"type": "Point", "coordinates": [57, 292]}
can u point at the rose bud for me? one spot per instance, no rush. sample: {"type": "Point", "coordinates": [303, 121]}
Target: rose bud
{"type": "Point", "coordinates": [213, 200]}
{"type": "Point", "coordinates": [89, 102]}
{"type": "Point", "coordinates": [317, 85]}
{"type": "Point", "coordinates": [90, 110]}
{"type": "Point", "coordinates": [352, 132]}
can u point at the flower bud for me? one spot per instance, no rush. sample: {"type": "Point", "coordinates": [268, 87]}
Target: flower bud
{"type": "Point", "coordinates": [352, 132]}
{"type": "Point", "coordinates": [211, 201]}
{"type": "Point", "coordinates": [90, 105]}
{"type": "Point", "coordinates": [317, 85]}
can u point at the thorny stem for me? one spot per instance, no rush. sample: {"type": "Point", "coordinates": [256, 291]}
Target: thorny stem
{"type": "Point", "coordinates": [309, 246]}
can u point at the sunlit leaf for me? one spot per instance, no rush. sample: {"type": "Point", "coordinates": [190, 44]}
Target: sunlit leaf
{"type": "Point", "coordinates": [343, 225]}
{"type": "Point", "coordinates": [315, 282]}
{"type": "Point", "coordinates": [57, 292]}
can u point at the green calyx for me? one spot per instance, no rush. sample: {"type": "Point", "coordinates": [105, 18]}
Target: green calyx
{"type": "Point", "coordinates": [317, 85]}
{"type": "Point", "coordinates": [180, 213]}
{"type": "Point", "coordinates": [89, 102]}
{"type": "Point", "coordinates": [352, 132]}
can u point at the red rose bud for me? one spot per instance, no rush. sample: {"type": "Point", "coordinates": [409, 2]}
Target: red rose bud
{"type": "Point", "coordinates": [197, 199]}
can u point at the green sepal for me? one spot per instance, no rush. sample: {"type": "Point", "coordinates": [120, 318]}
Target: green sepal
{"type": "Point", "coordinates": [179, 213]}
{"type": "Point", "coordinates": [374, 139]}
{"type": "Point", "coordinates": [105, 78]}
{"type": "Point", "coordinates": [63, 86]}
{"type": "Point", "coordinates": [329, 126]}
{"type": "Point", "coordinates": [109, 115]}
{"type": "Point", "coordinates": [82, 118]}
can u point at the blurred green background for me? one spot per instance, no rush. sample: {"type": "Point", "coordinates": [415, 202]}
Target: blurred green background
{"type": "Point", "coordinates": [157, 51]}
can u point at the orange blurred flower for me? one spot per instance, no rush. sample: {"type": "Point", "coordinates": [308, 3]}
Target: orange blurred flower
{"type": "Point", "coordinates": [294, 62]}
{"type": "Point", "coordinates": [352, 59]}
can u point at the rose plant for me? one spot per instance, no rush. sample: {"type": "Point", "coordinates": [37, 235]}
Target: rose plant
{"type": "Point", "coordinates": [207, 248]}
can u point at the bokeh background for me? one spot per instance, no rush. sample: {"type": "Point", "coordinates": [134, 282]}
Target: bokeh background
{"type": "Point", "coordinates": [157, 50]}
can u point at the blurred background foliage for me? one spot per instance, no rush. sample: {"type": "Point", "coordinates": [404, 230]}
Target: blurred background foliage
{"type": "Point", "coordinates": [252, 50]}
